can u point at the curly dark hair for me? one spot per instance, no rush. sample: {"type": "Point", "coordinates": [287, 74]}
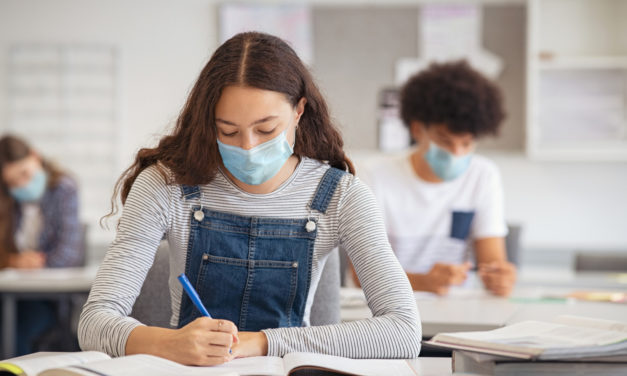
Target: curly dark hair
{"type": "Point", "coordinates": [455, 95]}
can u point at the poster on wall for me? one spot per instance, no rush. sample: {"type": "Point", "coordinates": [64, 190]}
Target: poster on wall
{"type": "Point", "coordinates": [292, 23]}
{"type": "Point", "coordinates": [450, 32]}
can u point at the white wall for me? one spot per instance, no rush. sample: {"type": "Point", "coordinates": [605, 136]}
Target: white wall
{"type": "Point", "coordinates": [163, 46]}
{"type": "Point", "coordinates": [566, 205]}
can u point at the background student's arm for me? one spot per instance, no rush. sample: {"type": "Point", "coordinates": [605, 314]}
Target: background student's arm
{"type": "Point", "coordinates": [489, 230]}
{"type": "Point", "coordinates": [394, 331]}
{"type": "Point", "coordinates": [27, 260]}
{"type": "Point", "coordinates": [438, 280]}
{"type": "Point", "coordinates": [498, 275]}
{"type": "Point", "coordinates": [104, 323]}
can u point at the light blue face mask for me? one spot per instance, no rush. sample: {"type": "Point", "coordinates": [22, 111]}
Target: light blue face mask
{"type": "Point", "coordinates": [34, 190]}
{"type": "Point", "coordinates": [444, 164]}
{"type": "Point", "coordinates": [259, 164]}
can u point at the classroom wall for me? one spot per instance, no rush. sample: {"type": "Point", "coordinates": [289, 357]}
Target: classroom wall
{"type": "Point", "coordinates": [164, 44]}
{"type": "Point", "coordinates": [360, 45]}
{"type": "Point", "coordinates": [565, 205]}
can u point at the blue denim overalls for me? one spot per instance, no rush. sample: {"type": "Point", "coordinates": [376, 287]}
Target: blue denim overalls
{"type": "Point", "coordinates": [254, 271]}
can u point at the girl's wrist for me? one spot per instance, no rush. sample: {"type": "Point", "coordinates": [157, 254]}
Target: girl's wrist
{"type": "Point", "coordinates": [251, 344]}
{"type": "Point", "coordinates": [263, 343]}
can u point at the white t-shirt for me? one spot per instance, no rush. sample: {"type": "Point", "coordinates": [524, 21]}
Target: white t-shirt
{"type": "Point", "coordinates": [29, 230]}
{"type": "Point", "coordinates": [427, 222]}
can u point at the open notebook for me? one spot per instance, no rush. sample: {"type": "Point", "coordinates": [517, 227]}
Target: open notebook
{"type": "Point", "coordinates": [90, 363]}
{"type": "Point", "coordinates": [567, 337]}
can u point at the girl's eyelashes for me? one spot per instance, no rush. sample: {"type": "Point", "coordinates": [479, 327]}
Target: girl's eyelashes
{"type": "Point", "coordinates": [267, 132]}
{"type": "Point", "coordinates": [231, 134]}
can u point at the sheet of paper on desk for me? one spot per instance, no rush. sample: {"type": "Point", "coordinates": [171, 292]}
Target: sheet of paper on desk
{"type": "Point", "coordinates": [32, 365]}
{"type": "Point", "coordinates": [275, 366]}
{"type": "Point", "coordinates": [257, 365]}
{"type": "Point", "coordinates": [134, 365]}
{"type": "Point", "coordinates": [568, 337]}
{"type": "Point", "coordinates": [364, 367]}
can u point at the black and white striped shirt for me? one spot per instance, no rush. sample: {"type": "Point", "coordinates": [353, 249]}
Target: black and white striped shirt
{"type": "Point", "coordinates": [154, 208]}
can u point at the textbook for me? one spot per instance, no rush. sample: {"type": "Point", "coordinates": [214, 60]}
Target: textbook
{"type": "Point", "coordinates": [90, 363]}
{"type": "Point", "coordinates": [482, 364]}
{"type": "Point", "coordinates": [567, 337]}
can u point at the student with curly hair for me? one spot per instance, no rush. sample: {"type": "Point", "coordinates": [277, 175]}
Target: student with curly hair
{"type": "Point", "coordinates": [442, 197]}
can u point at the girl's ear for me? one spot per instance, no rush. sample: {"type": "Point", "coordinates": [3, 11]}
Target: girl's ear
{"type": "Point", "coordinates": [300, 107]}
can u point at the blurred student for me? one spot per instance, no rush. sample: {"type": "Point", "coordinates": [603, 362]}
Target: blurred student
{"type": "Point", "coordinates": [39, 226]}
{"type": "Point", "coordinates": [441, 197]}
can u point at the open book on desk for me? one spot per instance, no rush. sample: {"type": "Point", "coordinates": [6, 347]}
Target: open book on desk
{"type": "Point", "coordinates": [567, 337]}
{"type": "Point", "coordinates": [484, 364]}
{"type": "Point", "coordinates": [92, 363]}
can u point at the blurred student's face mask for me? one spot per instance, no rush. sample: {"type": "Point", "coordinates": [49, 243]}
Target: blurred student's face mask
{"type": "Point", "coordinates": [444, 164]}
{"type": "Point", "coordinates": [257, 165]}
{"type": "Point", "coordinates": [34, 190]}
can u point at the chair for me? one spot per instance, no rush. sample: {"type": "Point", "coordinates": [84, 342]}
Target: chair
{"type": "Point", "coordinates": [512, 243]}
{"type": "Point", "coordinates": [595, 261]}
{"type": "Point", "coordinates": [325, 309]}
{"type": "Point", "coordinates": [152, 306]}
{"type": "Point", "coordinates": [62, 336]}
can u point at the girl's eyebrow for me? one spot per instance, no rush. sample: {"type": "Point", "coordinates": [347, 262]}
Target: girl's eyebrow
{"type": "Point", "coordinates": [262, 120]}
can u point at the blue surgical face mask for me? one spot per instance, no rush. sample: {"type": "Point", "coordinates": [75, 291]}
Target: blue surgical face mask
{"type": "Point", "coordinates": [34, 190]}
{"type": "Point", "coordinates": [444, 164]}
{"type": "Point", "coordinates": [259, 164]}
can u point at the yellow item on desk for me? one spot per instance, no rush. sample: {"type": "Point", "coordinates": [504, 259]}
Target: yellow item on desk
{"type": "Point", "coordinates": [600, 296]}
{"type": "Point", "coordinates": [34, 364]}
{"type": "Point", "coordinates": [12, 369]}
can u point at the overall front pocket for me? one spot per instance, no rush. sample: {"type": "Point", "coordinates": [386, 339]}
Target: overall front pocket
{"type": "Point", "coordinates": [254, 294]}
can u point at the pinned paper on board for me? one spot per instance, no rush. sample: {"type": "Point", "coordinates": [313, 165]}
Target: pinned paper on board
{"type": "Point", "coordinates": [291, 23]}
{"type": "Point", "coordinates": [450, 32]}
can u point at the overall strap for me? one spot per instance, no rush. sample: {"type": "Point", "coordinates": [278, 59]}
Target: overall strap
{"type": "Point", "coordinates": [326, 188]}
{"type": "Point", "coordinates": [190, 191]}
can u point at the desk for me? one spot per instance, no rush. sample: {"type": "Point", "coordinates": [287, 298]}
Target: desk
{"type": "Point", "coordinates": [472, 308]}
{"type": "Point", "coordinates": [422, 366]}
{"type": "Point", "coordinates": [432, 366]}
{"type": "Point", "coordinates": [48, 283]}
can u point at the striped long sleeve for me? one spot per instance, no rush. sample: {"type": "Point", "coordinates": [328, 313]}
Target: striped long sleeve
{"type": "Point", "coordinates": [154, 208]}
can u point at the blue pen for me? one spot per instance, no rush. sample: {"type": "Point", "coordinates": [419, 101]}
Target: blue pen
{"type": "Point", "coordinates": [193, 295]}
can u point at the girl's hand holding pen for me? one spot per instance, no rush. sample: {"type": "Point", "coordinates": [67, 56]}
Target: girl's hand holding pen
{"type": "Point", "coordinates": [203, 342]}
{"type": "Point", "coordinates": [207, 341]}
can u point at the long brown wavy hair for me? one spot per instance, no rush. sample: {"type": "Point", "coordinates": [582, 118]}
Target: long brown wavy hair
{"type": "Point", "coordinates": [250, 59]}
{"type": "Point", "coordinates": [14, 149]}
